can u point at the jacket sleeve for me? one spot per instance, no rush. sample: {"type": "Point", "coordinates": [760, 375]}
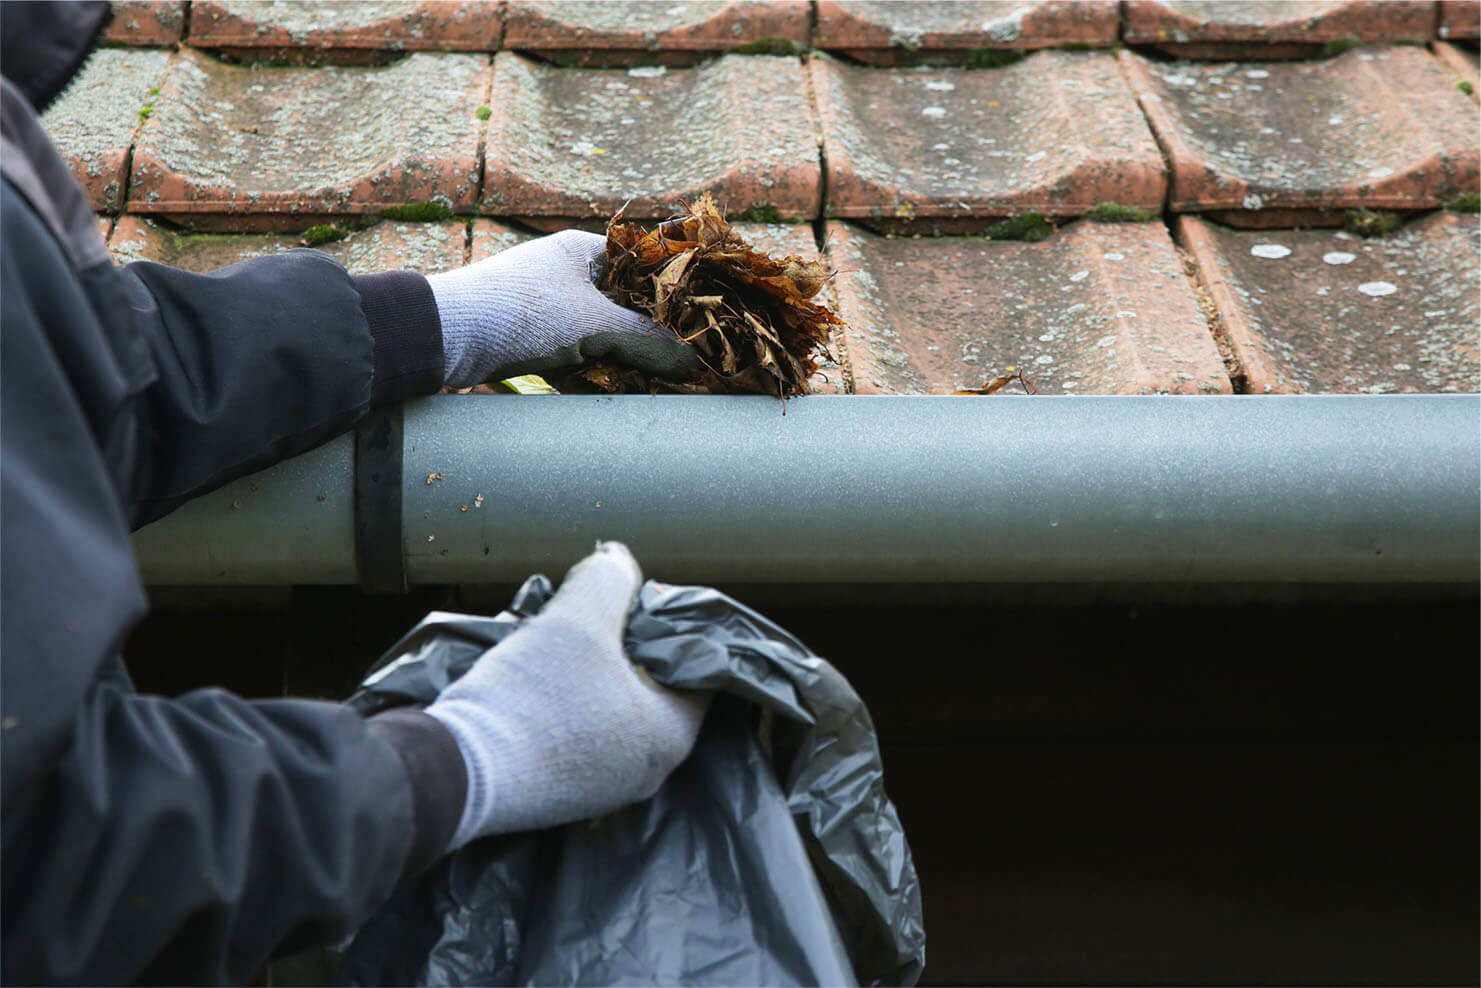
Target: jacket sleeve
{"type": "Point", "coordinates": [175, 840]}
{"type": "Point", "coordinates": [265, 359]}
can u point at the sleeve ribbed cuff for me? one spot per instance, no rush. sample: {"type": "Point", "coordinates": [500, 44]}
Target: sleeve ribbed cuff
{"type": "Point", "coordinates": [407, 334]}
{"type": "Point", "coordinates": [439, 781]}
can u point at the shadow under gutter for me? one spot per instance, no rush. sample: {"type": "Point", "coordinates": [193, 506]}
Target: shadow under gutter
{"type": "Point", "coordinates": [855, 490]}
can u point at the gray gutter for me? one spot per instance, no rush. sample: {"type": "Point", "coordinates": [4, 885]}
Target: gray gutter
{"type": "Point", "coordinates": [1333, 489]}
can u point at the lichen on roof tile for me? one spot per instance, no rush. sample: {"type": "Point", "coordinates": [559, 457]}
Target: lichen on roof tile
{"type": "Point", "coordinates": [695, 24]}
{"type": "Point", "coordinates": [1055, 134]}
{"type": "Point", "coordinates": [1265, 22]}
{"type": "Point", "coordinates": [1327, 311]}
{"type": "Point", "coordinates": [491, 237]}
{"type": "Point", "coordinates": [456, 25]}
{"type": "Point", "coordinates": [226, 138]}
{"type": "Point", "coordinates": [964, 24]}
{"type": "Point", "coordinates": [1097, 309]}
{"type": "Point", "coordinates": [1380, 127]}
{"type": "Point", "coordinates": [581, 142]}
{"type": "Point", "coordinates": [93, 123]}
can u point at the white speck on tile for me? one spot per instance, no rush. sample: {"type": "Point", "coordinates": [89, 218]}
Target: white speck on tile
{"type": "Point", "coordinates": [1045, 359]}
{"type": "Point", "coordinates": [1037, 156]}
{"type": "Point", "coordinates": [1380, 173]}
{"type": "Point", "coordinates": [940, 85]}
{"type": "Point", "coordinates": [1105, 341]}
{"type": "Point", "coordinates": [1114, 256]}
{"type": "Point", "coordinates": [1125, 314]}
{"type": "Point", "coordinates": [1080, 275]}
{"type": "Point", "coordinates": [941, 147]}
{"type": "Point", "coordinates": [1336, 121]}
{"type": "Point", "coordinates": [1378, 289]}
{"type": "Point", "coordinates": [1339, 257]}
{"type": "Point", "coordinates": [1271, 251]}
{"type": "Point", "coordinates": [1253, 201]}
{"type": "Point", "coordinates": [1402, 367]}
{"type": "Point", "coordinates": [647, 71]}
{"type": "Point", "coordinates": [1256, 74]}
{"type": "Point", "coordinates": [933, 111]}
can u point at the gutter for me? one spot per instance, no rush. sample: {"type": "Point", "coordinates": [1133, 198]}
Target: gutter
{"type": "Point", "coordinates": [1344, 489]}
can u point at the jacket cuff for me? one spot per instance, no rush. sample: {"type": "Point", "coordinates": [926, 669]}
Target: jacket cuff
{"type": "Point", "coordinates": [439, 781]}
{"type": "Point", "coordinates": [402, 312]}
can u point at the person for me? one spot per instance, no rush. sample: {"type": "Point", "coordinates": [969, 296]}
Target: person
{"type": "Point", "coordinates": [188, 840]}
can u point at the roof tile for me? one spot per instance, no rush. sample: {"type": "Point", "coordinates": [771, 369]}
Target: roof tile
{"type": "Point", "coordinates": [94, 122]}
{"type": "Point", "coordinates": [424, 247]}
{"type": "Point", "coordinates": [294, 141]}
{"type": "Point", "coordinates": [584, 30]}
{"type": "Point", "coordinates": [393, 25]}
{"type": "Point", "coordinates": [491, 236]}
{"type": "Point", "coordinates": [1465, 63]}
{"type": "Point", "coordinates": [146, 22]}
{"type": "Point", "coordinates": [581, 142]}
{"type": "Point", "coordinates": [1194, 27]}
{"type": "Point", "coordinates": [1326, 311]}
{"type": "Point", "coordinates": [1055, 134]}
{"type": "Point", "coordinates": [1460, 19]}
{"type": "Point", "coordinates": [889, 32]}
{"type": "Point", "coordinates": [1382, 128]}
{"type": "Point", "coordinates": [1099, 308]}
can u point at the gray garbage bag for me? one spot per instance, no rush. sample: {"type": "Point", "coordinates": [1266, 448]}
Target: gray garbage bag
{"type": "Point", "coordinates": [772, 856]}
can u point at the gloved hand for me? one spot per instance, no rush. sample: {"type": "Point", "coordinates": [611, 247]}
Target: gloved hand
{"type": "Point", "coordinates": [536, 307]}
{"type": "Point", "coordinates": [555, 724]}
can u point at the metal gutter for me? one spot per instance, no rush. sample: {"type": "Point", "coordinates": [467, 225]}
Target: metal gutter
{"type": "Point", "coordinates": [867, 490]}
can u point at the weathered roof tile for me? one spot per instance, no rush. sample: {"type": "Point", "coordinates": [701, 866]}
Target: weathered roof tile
{"type": "Point", "coordinates": [295, 141]}
{"type": "Point", "coordinates": [392, 25]}
{"type": "Point", "coordinates": [1055, 134]}
{"type": "Point", "coordinates": [388, 246]}
{"type": "Point", "coordinates": [1326, 311]}
{"type": "Point", "coordinates": [146, 22]}
{"type": "Point", "coordinates": [1382, 128]}
{"type": "Point", "coordinates": [1096, 309]}
{"type": "Point", "coordinates": [1460, 19]}
{"type": "Point", "coordinates": [490, 237]}
{"type": "Point", "coordinates": [1197, 28]}
{"type": "Point", "coordinates": [887, 32]}
{"type": "Point", "coordinates": [581, 142]}
{"type": "Point", "coordinates": [583, 29]}
{"type": "Point", "coordinates": [94, 122]}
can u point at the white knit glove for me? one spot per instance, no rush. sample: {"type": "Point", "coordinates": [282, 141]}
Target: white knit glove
{"type": "Point", "coordinates": [536, 308]}
{"type": "Point", "coordinates": [554, 723]}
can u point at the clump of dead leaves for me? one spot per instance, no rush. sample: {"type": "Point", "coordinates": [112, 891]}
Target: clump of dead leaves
{"type": "Point", "coordinates": [751, 317]}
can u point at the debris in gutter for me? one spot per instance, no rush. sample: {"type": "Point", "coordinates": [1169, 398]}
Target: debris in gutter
{"type": "Point", "coordinates": [751, 317]}
{"type": "Point", "coordinates": [997, 384]}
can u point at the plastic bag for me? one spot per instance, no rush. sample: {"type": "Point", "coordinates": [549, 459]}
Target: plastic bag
{"type": "Point", "coordinates": [771, 856]}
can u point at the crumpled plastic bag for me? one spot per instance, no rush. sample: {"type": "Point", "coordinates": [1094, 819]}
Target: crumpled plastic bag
{"type": "Point", "coordinates": [771, 856]}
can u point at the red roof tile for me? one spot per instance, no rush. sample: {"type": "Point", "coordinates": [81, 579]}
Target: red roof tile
{"type": "Point", "coordinates": [883, 32]}
{"type": "Point", "coordinates": [1096, 309]}
{"type": "Point", "coordinates": [491, 236]}
{"type": "Point", "coordinates": [396, 25]}
{"type": "Point", "coordinates": [1460, 19]}
{"type": "Point", "coordinates": [1173, 23]}
{"type": "Point", "coordinates": [1055, 134]}
{"type": "Point", "coordinates": [1325, 311]}
{"type": "Point", "coordinates": [94, 122]}
{"type": "Point", "coordinates": [1464, 63]}
{"type": "Point", "coordinates": [146, 22]}
{"type": "Point", "coordinates": [330, 140]}
{"type": "Point", "coordinates": [697, 25]}
{"type": "Point", "coordinates": [581, 142]}
{"type": "Point", "coordinates": [1382, 128]}
{"type": "Point", "coordinates": [424, 247]}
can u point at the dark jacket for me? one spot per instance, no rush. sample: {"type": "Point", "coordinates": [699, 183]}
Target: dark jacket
{"type": "Point", "coordinates": [174, 840]}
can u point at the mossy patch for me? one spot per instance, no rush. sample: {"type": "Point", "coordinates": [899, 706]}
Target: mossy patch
{"type": "Point", "coordinates": [1077, 46]}
{"type": "Point", "coordinates": [1465, 87]}
{"type": "Point", "coordinates": [759, 212]}
{"type": "Point", "coordinates": [324, 233]}
{"type": "Point", "coordinates": [767, 46]}
{"type": "Point", "coordinates": [1468, 203]}
{"type": "Point", "coordinates": [1114, 212]}
{"type": "Point", "coordinates": [418, 212]}
{"type": "Point", "coordinates": [1337, 46]}
{"type": "Point", "coordinates": [991, 58]}
{"type": "Point", "coordinates": [147, 110]}
{"type": "Point", "coordinates": [1029, 227]}
{"type": "Point", "coordinates": [484, 112]}
{"type": "Point", "coordinates": [1371, 222]}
